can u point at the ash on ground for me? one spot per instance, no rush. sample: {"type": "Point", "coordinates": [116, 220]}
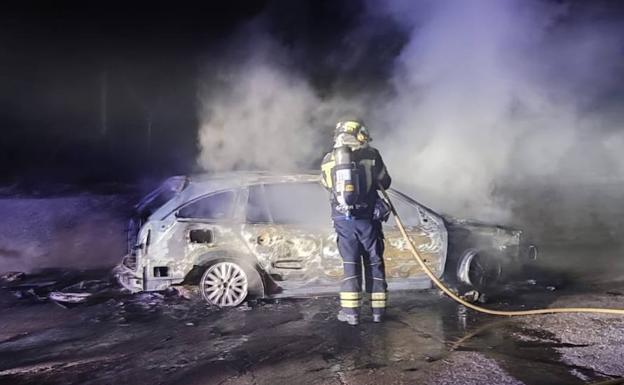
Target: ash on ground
{"type": "Point", "coordinates": [174, 337]}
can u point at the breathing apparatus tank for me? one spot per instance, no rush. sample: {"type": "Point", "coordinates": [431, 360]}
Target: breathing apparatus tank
{"type": "Point", "coordinates": [345, 180]}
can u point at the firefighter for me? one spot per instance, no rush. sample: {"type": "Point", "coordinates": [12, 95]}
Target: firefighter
{"type": "Point", "coordinates": [352, 172]}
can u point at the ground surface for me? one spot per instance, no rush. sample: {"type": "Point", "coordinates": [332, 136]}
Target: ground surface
{"type": "Point", "coordinates": [166, 339]}
{"type": "Point", "coordinates": [66, 230]}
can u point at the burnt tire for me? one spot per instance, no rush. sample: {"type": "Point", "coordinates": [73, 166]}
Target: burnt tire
{"type": "Point", "coordinates": [478, 270]}
{"type": "Point", "coordinates": [228, 283]}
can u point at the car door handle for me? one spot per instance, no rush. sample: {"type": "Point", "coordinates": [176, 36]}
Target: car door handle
{"type": "Point", "coordinates": [289, 264]}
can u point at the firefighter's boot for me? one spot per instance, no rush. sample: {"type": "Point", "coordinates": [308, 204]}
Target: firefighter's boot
{"type": "Point", "coordinates": [352, 319]}
{"type": "Point", "coordinates": [378, 304]}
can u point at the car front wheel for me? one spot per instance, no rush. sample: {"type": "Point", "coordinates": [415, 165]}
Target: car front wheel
{"type": "Point", "coordinates": [225, 284]}
{"type": "Point", "coordinates": [479, 270]}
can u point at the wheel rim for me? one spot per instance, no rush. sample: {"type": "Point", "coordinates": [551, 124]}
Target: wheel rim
{"type": "Point", "coordinates": [224, 284]}
{"type": "Point", "coordinates": [484, 274]}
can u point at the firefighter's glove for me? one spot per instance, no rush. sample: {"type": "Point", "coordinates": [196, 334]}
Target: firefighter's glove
{"type": "Point", "coordinates": [381, 211]}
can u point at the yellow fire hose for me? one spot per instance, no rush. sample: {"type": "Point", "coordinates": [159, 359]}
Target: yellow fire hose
{"type": "Point", "coordinates": [469, 305]}
{"type": "Point", "coordinates": [615, 381]}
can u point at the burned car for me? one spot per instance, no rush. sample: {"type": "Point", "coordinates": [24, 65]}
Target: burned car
{"type": "Point", "coordinates": [270, 235]}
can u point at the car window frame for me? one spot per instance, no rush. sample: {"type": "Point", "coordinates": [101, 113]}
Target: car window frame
{"type": "Point", "coordinates": [231, 215]}
{"type": "Point", "coordinates": [397, 195]}
{"type": "Point", "coordinates": [412, 201]}
{"type": "Point", "coordinates": [264, 202]}
{"type": "Point", "coordinates": [268, 207]}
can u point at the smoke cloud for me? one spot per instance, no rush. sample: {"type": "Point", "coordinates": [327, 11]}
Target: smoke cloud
{"type": "Point", "coordinates": [495, 92]}
{"type": "Point", "coordinates": [260, 113]}
{"type": "Point", "coordinates": [481, 97]}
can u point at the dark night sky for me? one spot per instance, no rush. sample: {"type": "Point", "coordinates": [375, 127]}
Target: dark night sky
{"type": "Point", "coordinates": [58, 59]}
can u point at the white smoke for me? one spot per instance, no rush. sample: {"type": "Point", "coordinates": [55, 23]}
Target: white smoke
{"type": "Point", "coordinates": [260, 121]}
{"type": "Point", "coordinates": [262, 114]}
{"type": "Point", "coordinates": [460, 83]}
{"type": "Point", "coordinates": [488, 93]}
{"type": "Point", "coordinates": [484, 94]}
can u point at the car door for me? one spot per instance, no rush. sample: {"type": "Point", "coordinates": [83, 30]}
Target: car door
{"type": "Point", "coordinates": [172, 246]}
{"type": "Point", "coordinates": [287, 227]}
{"type": "Point", "coordinates": [427, 232]}
{"type": "Point", "coordinates": [206, 224]}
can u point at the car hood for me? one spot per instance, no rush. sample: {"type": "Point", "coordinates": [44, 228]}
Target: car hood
{"type": "Point", "coordinates": [453, 221]}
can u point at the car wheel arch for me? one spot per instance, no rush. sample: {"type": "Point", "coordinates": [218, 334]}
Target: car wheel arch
{"type": "Point", "coordinates": [258, 289]}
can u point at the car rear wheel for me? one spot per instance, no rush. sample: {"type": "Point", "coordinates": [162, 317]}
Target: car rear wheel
{"type": "Point", "coordinates": [225, 284]}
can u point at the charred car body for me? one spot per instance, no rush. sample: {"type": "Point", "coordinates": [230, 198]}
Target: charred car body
{"type": "Point", "coordinates": [262, 234]}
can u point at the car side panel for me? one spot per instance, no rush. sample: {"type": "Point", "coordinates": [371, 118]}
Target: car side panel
{"type": "Point", "coordinates": [286, 252]}
{"type": "Point", "coordinates": [400, 262]}
{"type": "Point", "coordinates": [181, 245]}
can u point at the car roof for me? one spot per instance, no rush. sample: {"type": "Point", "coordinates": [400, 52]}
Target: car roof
{"type": "Point", "coordinates": [244, 178]}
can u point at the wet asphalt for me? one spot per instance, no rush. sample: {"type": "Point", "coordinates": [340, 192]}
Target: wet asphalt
{"type": "Point", "coordinates": [426, 338]}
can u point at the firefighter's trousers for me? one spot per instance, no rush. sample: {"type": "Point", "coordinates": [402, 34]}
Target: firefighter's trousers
{"type": "Point", "coordinates": [360, 241]}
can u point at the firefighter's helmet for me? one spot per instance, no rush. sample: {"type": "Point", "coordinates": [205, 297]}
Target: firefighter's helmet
{"type": "Point", "coordinates": [354, 128]}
